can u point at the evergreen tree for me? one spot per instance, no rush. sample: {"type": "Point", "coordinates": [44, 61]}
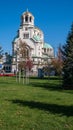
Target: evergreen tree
{"type": "Point", "coordinates": [68, 61]}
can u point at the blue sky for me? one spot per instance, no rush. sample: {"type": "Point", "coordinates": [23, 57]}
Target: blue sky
{"type": "Point", "coordinates": [53, 17]}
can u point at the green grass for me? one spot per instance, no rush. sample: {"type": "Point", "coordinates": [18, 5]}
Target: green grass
{"type": "Point", "coordinates": [41, 105]}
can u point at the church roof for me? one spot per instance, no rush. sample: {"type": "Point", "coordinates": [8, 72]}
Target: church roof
{"type": "Point", "coordinates": [27, 13]}
{"type": "Point", "coordinates": [46, 45]}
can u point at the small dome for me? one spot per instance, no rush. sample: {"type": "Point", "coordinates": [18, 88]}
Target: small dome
{"type": "Point", "coordinates": [46, 45]}
{"type": "Point", "coordinates": [27, 13]}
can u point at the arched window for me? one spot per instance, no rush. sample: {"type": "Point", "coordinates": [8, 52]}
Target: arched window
{"type": "Point", "coordinates": [48, 50]}
{"type": "Point", "coordinates": [44, 49]}
{"type": "Point", "coordinates": [26, 18]}
{"type": "Point", "coordinates": [30, 19]}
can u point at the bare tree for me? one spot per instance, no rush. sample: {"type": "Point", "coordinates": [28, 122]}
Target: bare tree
{"type": "Point", "coordinates": [24, 64]}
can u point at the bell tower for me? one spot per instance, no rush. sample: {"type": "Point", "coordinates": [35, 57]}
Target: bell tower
{"type": "Point", "coordinates": [27, 19]}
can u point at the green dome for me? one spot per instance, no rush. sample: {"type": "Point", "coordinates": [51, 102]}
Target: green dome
{"type": "Point", "coordinates": [37, 38]}
{"type": "Point", "coordinates": [46, 45]}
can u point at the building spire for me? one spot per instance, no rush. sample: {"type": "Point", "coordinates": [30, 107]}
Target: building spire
{"type": "Point", "coordinates": [27, 10]}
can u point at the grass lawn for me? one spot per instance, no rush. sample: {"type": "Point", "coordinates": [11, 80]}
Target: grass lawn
{"type": "Point", "coordinates": [41, 105]}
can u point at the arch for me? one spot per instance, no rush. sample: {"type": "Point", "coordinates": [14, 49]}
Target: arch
{"type": "Point", "coordinates": [30, 18]}
{"type": "Point", "coordinates": [26, 18]}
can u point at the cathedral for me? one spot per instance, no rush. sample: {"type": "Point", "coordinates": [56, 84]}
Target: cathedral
{"type": "Point", "coordinates": [39, 51]}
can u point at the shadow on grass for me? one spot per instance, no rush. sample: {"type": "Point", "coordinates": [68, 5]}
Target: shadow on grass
{"type": "Point", "coordinates": [50, 83]}
{"type": "Point", "coordinates": [47, 77]}
{"type": "Point", "coordinates": [49, 86]}
{"type": "Point", "coordinates": [52, 108]}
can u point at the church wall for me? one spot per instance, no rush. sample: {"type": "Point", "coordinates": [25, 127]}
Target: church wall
{"type": "Point", "coordinates": [33, 37]}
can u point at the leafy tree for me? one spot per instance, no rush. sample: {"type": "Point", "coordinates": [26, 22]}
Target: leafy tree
{"type": "Point", "coordinates": [57, 62]}
{"type": "Point", "coordinates": [47, 69]}
{"type": "Point", "coordinates": [68, 61]}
